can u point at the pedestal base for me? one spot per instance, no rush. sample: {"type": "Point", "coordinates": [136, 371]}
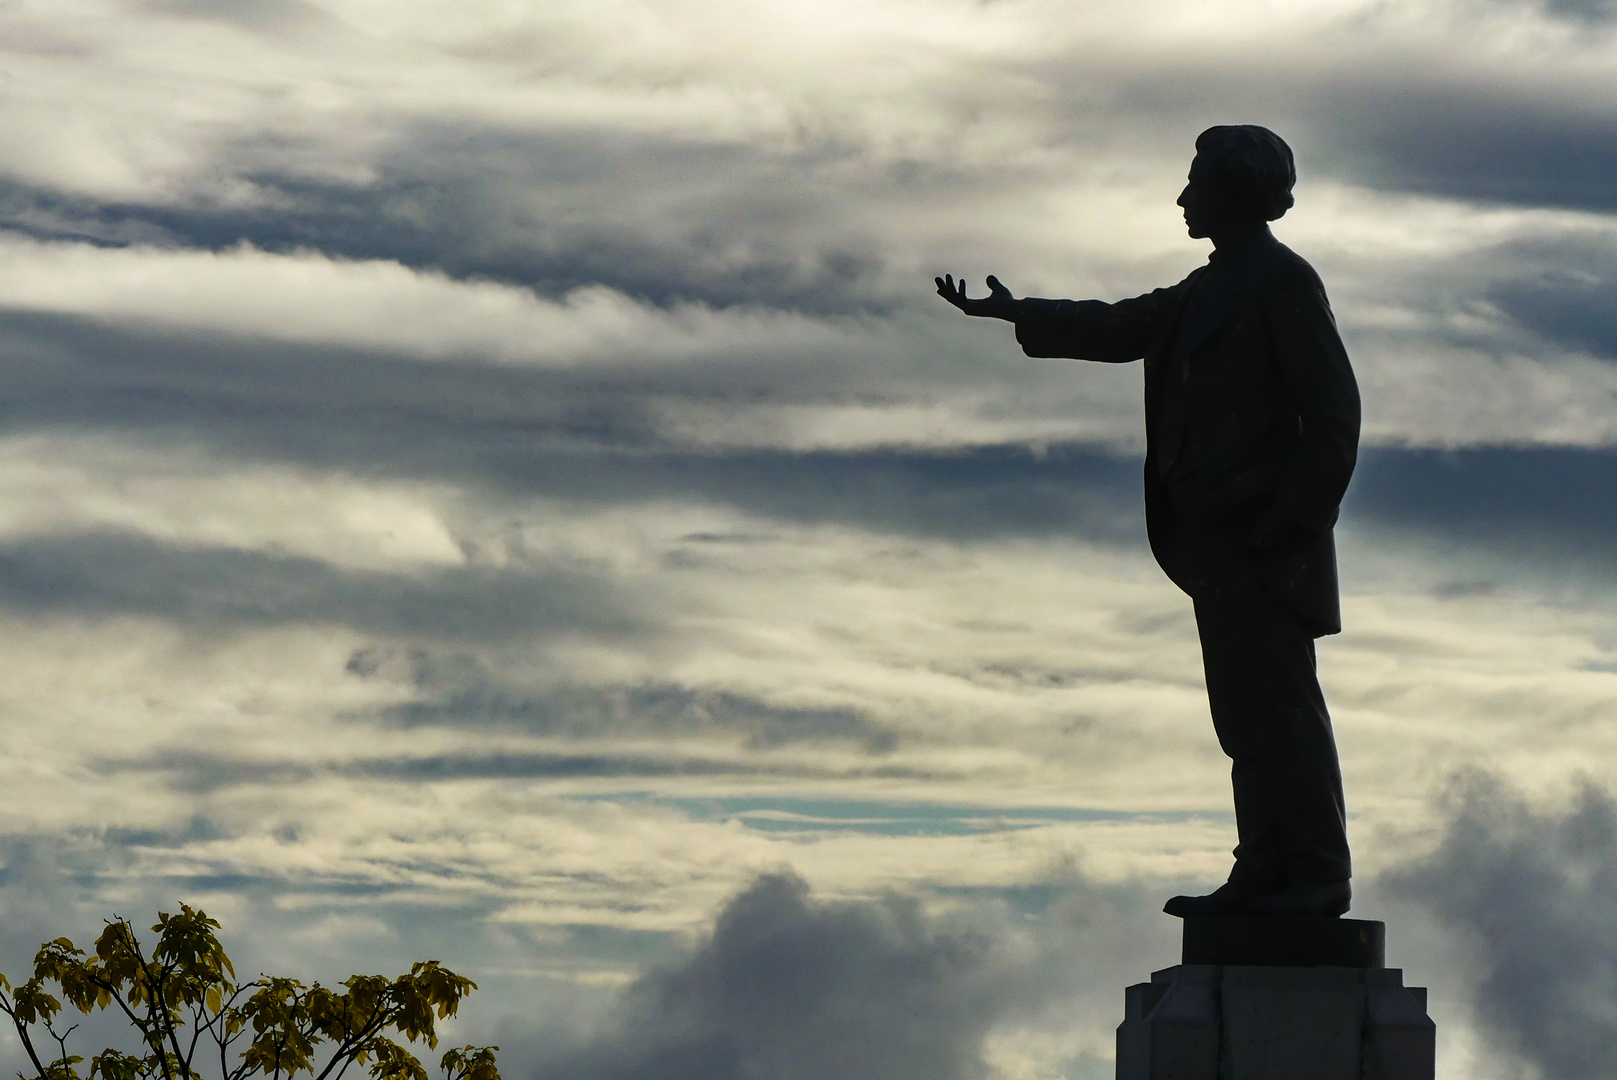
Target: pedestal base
{"type": "Point", "coordinates": [1283, 941]}
{"type": "Point", "coordinates": [1273, 1011]}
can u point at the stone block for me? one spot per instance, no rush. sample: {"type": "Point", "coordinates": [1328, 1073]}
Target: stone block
{"type": "Point", "coordinates": [1266, 1021]}
{"type": "Point", "coordinates": [1400, 1040]}
{"type": "Point", "coordinates": [1243, 1022]}
{"type": "Point", "coordinates": [1285, 1023]}
{"type": "Point", "coordinates": [1171, 1026]}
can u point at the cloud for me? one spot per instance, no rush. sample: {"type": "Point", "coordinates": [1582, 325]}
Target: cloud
{"type": "Point", "coordinates": [458, 689]}
{"type": "Point", "coordinates": [788, 985]}
{"type": "Point", "coordinates": [1594, 11]}
{"type": "Point", "coordinates": [1542, 504]}
{"type": "Point", "coordinates": [251, 13]}
{"type": "Point", "coordinates": [191, 772]}
{"type": "Point", "coordinates": [1526, 148]}
{"type": "Point", "coordinates": [729, 224]}
{"type": "Point", "coordinates": [112, 575]}
{"type": "Point", "coordinates": [789, 988]}
{"type": "Point", "coordinates": [383, 306]}
{"type": "Point", "coordinates": [1529, 889]}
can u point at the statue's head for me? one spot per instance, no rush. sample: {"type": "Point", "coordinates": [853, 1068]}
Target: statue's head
{"type": "Point", "coordinates": [1242, 173]}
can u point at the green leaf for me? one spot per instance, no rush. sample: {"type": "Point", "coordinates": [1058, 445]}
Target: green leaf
{"type": "Point", "coordinates": [286, 1022]}
{"type": "Point", "coordinates": [471, 1063]}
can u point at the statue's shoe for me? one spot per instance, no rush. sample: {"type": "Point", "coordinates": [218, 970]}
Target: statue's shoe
{"type": "Point", "coordinates": [1330, 898]}
{"type": "Point", "coordinates": [1230, 898]}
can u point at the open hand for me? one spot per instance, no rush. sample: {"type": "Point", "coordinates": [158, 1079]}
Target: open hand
{"type": "Point", "coordinates": [998, 304]}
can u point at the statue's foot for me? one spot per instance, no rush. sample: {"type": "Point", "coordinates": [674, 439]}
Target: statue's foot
{"type": "Point", "coordinates": [1329, 898]}
{"type": "Point", "coordinates": [1230, 898]}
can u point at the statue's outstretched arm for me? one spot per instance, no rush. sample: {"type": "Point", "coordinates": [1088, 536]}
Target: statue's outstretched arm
{"type": "Point", "coordinates": [1071, 329]}
{"type": "Point", "coordinates": [1093, 329]}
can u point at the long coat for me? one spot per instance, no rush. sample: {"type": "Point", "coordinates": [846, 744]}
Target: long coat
{"type": "Point", "coordinates": [1248, 390]}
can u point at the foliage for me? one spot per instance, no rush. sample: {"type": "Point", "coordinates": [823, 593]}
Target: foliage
{"type": "Point", "coordinates": [196, 1022]}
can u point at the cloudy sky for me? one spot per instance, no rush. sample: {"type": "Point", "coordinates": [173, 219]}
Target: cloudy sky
{"type": "Point", "coordinates": [491, 481]}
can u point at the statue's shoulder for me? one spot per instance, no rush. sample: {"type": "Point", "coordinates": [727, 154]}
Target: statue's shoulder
{"type": "Point", "coordinates": [1284, 269]}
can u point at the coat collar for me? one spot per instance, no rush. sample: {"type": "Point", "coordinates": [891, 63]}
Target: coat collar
{"type": "Point", "coordinates": [1217, 285]}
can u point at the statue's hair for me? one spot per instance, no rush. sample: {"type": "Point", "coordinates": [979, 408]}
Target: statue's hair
{"type": "Point", "coordinates": [1253, 160]}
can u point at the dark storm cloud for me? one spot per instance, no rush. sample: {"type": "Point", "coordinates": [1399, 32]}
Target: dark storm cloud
{"type": "Point", "coordinates": [980, 492]}
{"type": "Point", "coordinates": [1463, 129]}
{"type": "Point", "coordinates": [539, 766]}
{"type": "Point", "coordinates": [112, 574]}
{"type": "Point", "coordinates": [1531, 891]}
{"type": "Point", "coordinates": [194, 772]}
{"type": "Point", "coordinates": [790, 988]}
{"type": "Point", "coordinates": [1565, 306]}
{"type": "Point", "coordinates": [250, 13]}
{"type": "Point", "coordinates": [656, 217]}
{"type": "Point", "coordinates": [796, 988]}
{"type": "Point", "coordinates": [798, 224]}
{"type": "Point", "coordinates": [543, 432]}
{"type": "Point", "coordinates": [460, 689]}
{"type": "Point", "coordinates": [1473, 142]}
{"type": "Point", "coordinates": [585, 437]}
{"type": "Point", "coordinates": [1551, 504]}
{"type": "Point", "coordinates": [1593, 11]}
{"type": "Point", "coordinates": [1564, 291]}
{"type": "Point", "coordinates": [322, 405]}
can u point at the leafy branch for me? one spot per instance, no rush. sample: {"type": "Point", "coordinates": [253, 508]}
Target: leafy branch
{"type": "Point", "coordinates": [187, 1009]}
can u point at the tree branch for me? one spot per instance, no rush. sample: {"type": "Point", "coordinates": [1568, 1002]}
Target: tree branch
{"type": "Point", "coordinates": [22, 1034]}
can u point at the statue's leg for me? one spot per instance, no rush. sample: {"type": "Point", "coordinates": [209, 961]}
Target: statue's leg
{"type": "Point", "coordinates": [1260, 845]}
{"type": "Point", "coordinates": [1270, 716]}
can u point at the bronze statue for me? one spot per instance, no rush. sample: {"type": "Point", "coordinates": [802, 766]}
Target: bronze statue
{"type": "Point", "coordinates": [1252, 428]}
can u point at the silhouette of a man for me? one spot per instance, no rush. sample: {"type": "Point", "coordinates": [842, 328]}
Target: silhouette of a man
{"type": "Point", "coordinates": [1252, 428]}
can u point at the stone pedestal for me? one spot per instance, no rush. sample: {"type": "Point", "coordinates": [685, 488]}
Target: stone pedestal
{"type": "Point", "coordinates": [1277, 998]}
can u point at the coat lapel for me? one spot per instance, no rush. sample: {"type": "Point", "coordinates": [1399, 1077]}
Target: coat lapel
{"type": "Point", "coordinates": [1213, 301]}
{"type": "Point", "coordinates": [1209, 302]}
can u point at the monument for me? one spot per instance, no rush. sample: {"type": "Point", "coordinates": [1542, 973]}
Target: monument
{"type": "Point", "coordinates": [1277, 997]}
{"type": "Point", "coordinates": [1252, 429]}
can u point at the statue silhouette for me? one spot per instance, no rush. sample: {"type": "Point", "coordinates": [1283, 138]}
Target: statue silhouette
{"type": "Point", "coordinates": [1252, 428]}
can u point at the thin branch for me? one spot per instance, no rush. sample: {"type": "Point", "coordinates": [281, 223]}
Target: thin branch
{"type": "Point", "coordinates": [196, 1033]}
{"type": "Point", "coordinates": [220, 1035]}
{"type": "Point", "coordinates": [22, 1034]}
{"type": "Point", "coordinates": [374, 1024]}
{"type": "Point", "coordinates": [117, 996]}
{"type": "Point", "coordinates": [347, 1061]}
{"type": "Point", "coordinates": [280, 1047]}
{"type": "Point", "coordinates": [153, 996]}
{"type": "Point", "coordinates": [169, 1027]}
{"type": "Point", "coordinates": [229, 1003]}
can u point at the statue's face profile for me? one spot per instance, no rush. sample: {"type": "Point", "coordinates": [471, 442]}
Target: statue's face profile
{"type": "Point", "coordinates": [1206, 200]}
